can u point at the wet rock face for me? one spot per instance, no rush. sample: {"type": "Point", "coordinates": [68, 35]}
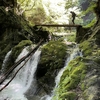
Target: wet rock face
{"type": "Point", "coordinates": [97, 35]}
{"type": "Point", "coordinates": [91, 83]}
{"type": "Point", "coordinates": [82, 34]}
{"type": "Point", "coordinates": [97, 10]}
{"type": "Point", "coordinates": [14, 29]}
{"type": "Point", "coordinates": [10, 36]}
{"type": "Point", "coordinates": [41, 72]}
{"type": "Point", "coordinates": [90, 86]}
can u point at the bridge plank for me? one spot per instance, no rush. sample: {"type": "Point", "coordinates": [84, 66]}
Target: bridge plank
{"type": "Point", "coordinates": [58, 25]}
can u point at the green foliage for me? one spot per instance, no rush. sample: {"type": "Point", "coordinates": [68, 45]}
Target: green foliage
{"type": "Point", "coordinates": [33, 10]}
{"type": "Point", "coordinates": [39, 15]}
{"type": "Point", "coordinates": [71, 4]}
{"type": "Point", "coordinates": [71, 38]}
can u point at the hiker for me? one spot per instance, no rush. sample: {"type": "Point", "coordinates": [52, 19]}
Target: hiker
{"type": "Point", "coordinates": [73, 16]}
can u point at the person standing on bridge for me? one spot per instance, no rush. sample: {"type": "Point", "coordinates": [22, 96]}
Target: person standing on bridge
{"type": "Point", "coordinates": [73, 16]}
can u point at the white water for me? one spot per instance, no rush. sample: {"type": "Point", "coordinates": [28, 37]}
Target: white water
{"type": "Point", "coordinates": [16, 89]}
{"type": "Point", "coordinates": [76, 52]}
{"type": "Point", "coordinates": [6, 59]}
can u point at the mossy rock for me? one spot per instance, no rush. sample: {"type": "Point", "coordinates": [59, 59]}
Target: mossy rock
{"type": "Point", "coordinates": [52, 60]}
{"type": "Point", "coordinates": [18, 48]}
{"type": "Point", "coordinates": [53, 55]}
{"type": "Point", "coordinates": [74, 73]}
{"type": "Point", "coordinates": [86, 47]}
{"type": "Point", "coordinates": [68, 96]}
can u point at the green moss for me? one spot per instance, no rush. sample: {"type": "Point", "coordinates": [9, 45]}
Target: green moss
{"type": "Point", "coordinates": [18, 48]}
{"type": "Point", "coordinates": [71, 38]}
{"type": "Point", "coordinates": [68, 96]}
{"type": "Point", "coordinates": [90, 9]}
{"type": "Point", "coordinates": [83, 87]}
{"type": "Point", "coordinates": [91, 24]}
{"type": "Point", "coordinates": [72, 76]}
{"type": "Point", "coordinates": [86, 47]}
{"type": "Point", "coordinates": [52, 59]}
{"type": "Point", "coordinates": [53, 55]}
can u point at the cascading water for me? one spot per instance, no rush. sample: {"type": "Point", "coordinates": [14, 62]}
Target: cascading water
{"type": "Point", "coordinates": [25, 80]}
{"type": "Point", "coordinates": [76, 52]}
{"type": "Point", "coordinates": [5, 61]}
{"type": "Point", "coordinates": [20, 84]}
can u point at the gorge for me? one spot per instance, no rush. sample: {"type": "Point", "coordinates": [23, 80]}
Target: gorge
{"type": "Point", "coordinates": [62, 67]}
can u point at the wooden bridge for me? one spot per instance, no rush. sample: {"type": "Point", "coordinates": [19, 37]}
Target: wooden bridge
{"type": "Point", "coordinates": [58, 25]}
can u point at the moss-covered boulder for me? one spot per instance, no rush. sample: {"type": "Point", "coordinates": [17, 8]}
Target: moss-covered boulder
{"type": "Point", "coordinates": [52, 59]}
{"type": "Point", "coordinates": [18, 48]}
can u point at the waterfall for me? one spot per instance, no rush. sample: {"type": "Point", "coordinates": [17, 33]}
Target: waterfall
{"type": "Point", "coordinates": [6, 59]}
{"type": "Point", "coordinates": [76, 52]}
{"type": "Point", "coordinates": [20, 84]}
